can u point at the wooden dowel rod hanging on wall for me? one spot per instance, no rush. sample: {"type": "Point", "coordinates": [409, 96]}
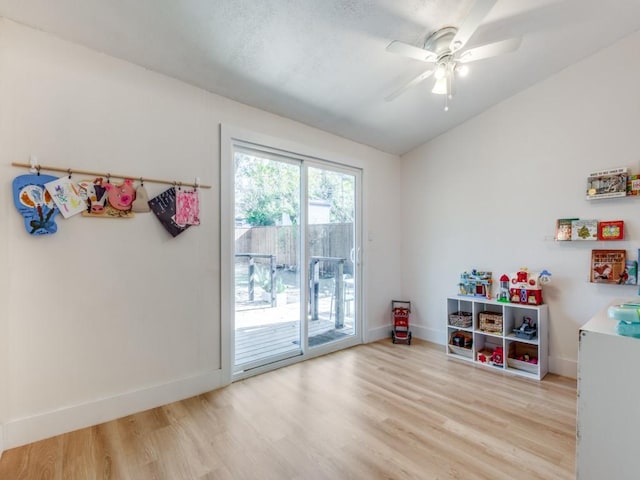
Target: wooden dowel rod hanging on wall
{"type": "Point", "coordinates": [109, 175]}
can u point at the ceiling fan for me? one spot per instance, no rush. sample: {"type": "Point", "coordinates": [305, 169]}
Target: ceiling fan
{"type": "Point", "coordinates": [444, 50]}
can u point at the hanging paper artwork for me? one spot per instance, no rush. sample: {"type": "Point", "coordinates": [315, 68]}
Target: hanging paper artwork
{"type": "Point", "coordinates": [141, 203]}
{"type": "Point", "coordinates": [66, 196]}
{"type": "Point", "coordinates": [187, 207]}
{"type": "Point", "coordinates": [121, 196]}
{"type": "Point", "coordinates": [164, 206]}
{"type": "Point", "coordinates": [35, 204]}
{"type": "Point", "coordinates": [107, 200]}
{"type": "Point", "coordinates": [95, 196]}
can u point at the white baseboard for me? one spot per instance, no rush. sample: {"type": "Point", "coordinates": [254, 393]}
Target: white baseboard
{"type": "Point", "coordinates": [428, 334]}
{"type": "Point", "coordinates": [417, 331]}
{"type": "Point", "coordinates": [563, 366]}
{"type": "Point", "coordinates": [378, 333]}
{"type": "Point", "coordinates": [27, 430]}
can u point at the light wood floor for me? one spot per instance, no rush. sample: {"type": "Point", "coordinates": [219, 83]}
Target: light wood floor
{"type": "Point", "coordinates": [377, 411]}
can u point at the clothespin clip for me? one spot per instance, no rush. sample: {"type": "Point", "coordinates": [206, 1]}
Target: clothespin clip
{"type": "Point", "coordinates": [33, 161]}
{"type": "Point", "coordinates": [196, 183]}
{"type": "Point", "coordinates": [69, 172]}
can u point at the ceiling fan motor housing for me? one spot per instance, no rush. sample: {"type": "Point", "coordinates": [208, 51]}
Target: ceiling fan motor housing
{"type": "Point", "coordinates": [439, 42]}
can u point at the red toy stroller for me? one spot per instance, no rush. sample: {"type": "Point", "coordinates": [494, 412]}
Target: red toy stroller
{"type": "Point", "coordinates": [400, 311]}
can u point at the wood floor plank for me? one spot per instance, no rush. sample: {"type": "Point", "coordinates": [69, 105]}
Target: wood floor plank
{"type": "Point", "coordinates": [376, 411]}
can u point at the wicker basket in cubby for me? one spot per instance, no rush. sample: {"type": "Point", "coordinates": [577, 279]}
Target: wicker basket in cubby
{"type": "Point", "coordinates": [461, 339]}
{"type": "Point", "coordinates": [523, 357]}
{"type": "Point", "coordinates": [460, 319]}
{"type": "Point", "coordinates": [491, 322]}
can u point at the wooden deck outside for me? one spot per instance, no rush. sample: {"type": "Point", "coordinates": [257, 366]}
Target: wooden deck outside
{"type": "Point", "coordinates": [266, 331]}
{"type": "Point", "coordinates": [263, 330]}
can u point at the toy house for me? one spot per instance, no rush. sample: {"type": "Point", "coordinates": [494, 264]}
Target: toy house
{"type": "Point", "coordinates": [526, 287]}
{"type": "Point", "coordinates": [476, 284]}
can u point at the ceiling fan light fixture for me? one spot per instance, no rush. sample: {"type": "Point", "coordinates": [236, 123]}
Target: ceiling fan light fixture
{"type": "Point", "coordinates": [441, 71]}
{"type": "Point", "coordinates": [440, 87]}
{"type": "Point", "coordinates": [463, 70]}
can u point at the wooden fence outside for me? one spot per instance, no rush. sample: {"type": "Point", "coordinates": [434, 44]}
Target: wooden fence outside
{"type": "Point", "coordinates": [325, 240]}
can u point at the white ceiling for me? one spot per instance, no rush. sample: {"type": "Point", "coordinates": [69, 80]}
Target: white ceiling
{"type": "Point", "coordinates": [323, 62]}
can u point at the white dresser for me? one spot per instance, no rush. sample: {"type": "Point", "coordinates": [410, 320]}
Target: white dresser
{"type": "Point", "coordinates": [608, 436]}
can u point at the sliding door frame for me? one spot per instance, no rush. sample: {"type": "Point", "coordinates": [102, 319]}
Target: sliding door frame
{"type": "Point", "coordinates": [230, 137]}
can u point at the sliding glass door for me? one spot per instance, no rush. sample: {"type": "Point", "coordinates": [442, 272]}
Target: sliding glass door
{"type": "Point", "coordinates": [331, 237]}
{"type": "Point", "coordinates": [295, 245]}
{"type": "Point", "coordinates": [267, 261]}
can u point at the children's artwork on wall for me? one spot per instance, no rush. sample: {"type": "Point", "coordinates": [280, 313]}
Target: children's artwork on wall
{"type": "Point", "coordinates": [187, 207]}
{"type": "Point", "coordinates": [121, 196]}
{"type": "Point", "coordinates": [94, 195]}
{"type": "Point", "coordinates": [141, 203]}
{"type": "Point", "coordinates": [106, 200]}
{"type": "Point", "coordinates": [34, 202]}
{"type": "Point", "coordinates": [66, 196]}
{"type": "Point", "coordinates": [164, 206]}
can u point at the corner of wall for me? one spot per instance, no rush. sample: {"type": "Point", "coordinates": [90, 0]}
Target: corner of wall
{"type": "Point", "coordinates": [378, 333]}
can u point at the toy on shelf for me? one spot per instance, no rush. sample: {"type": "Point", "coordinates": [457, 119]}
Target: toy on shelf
{"type": "Point", "coordinates": [475, 284]}
{"type": "Point", "coordinates": [497, 357]}
{"type": "Point", "coordinates": [526, 287]}
{"type": "Point", "coordinates": [491, 357]}
{"type": "Point", "coordinates": [503, 293]}
{"type": "Point", "coordinates": [528, 330]}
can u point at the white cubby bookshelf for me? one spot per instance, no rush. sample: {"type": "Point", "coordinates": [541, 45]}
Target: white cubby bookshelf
{"type": "Point", "coordinates": [513, 315]}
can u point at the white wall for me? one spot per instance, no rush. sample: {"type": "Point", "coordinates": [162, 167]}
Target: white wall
{"type": "Point", "coordinates": [108, 317]}
{"type": "Point", "coordinates": [486, 194]}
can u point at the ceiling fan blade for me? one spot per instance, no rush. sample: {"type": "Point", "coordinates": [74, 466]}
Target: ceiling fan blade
{"type": "Point", "coordinates": [471, 23]}
{"type": "Point", "coordinates": [420, 78]}
{"type": "Point", "coordinates": [490, 50]}
{"type": "Point", "coordinates": [411, 51]}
